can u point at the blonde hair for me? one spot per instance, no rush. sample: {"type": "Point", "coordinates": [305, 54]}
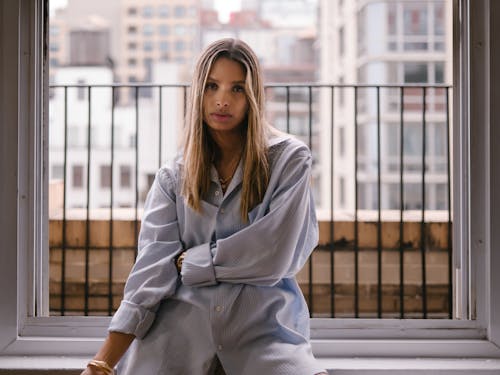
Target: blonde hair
{"type": "Point", "coordinates": [199, 148]}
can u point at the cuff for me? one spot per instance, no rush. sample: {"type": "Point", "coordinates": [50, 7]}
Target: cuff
{"type": "Point", "coordinates": [133, 319]}
{"type": "Point", "coordinates": [197, 266]}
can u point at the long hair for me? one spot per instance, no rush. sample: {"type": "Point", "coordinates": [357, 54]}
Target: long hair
{"type": "Point", "coordinates": [199, 148]}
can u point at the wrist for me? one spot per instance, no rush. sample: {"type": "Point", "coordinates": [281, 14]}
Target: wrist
{"type": "Point", "coordinates": [179, 260]}
{"type": "Point", "coordinates": [102, 366]}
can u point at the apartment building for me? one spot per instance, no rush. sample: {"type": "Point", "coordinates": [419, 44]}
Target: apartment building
{"type": "Point", "coordinates": [157, 30]}
{"type": "Point", "coordinates": [381, 43]}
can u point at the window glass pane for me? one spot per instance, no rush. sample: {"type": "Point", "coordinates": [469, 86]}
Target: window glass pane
{"type": "Point", "coordinates": [415, 72]}
{"type": "Point", "coordinates": [180, 45]}
{"type": "Point", "coordinates": [415, 18]}
{"type": "Point", "coordinates": [57, 172]}
{"type": "Point", "coordinates": [392, 18]}
{"type": "Point", "coordinates": [439, 72]}
{"type": "Point", "coordinates": [105, 176]}
{"type": "Point", "coordinates": [179, 11]}
{"type": "Point", "coordinates": [147, 12]}
{"type": "Point", "coordinates": [125, 176]}
{"type": "Point", "coordinates": [77, 176]}
{"type": "Point", "coordinates": [148, 45]}
{"type": "Point", "coordinates": [163, 10]}
{"type": "Point", "coordinates": [163, 29]}
{"type": "Point", "coordinates": [439, 27]}
{"type": "Point", "coordinates": [164, 46]}
{"type": "Point", "coordinates": [147, 29]}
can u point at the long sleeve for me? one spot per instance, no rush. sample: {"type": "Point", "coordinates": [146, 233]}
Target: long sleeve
{"type": "Point", "coordinates": [154, 275]}
{"type": "Point", "coordinates": [281, 235]}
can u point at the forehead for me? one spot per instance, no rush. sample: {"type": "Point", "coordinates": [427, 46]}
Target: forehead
{"type": "Point", "coordinates": [225, 67]}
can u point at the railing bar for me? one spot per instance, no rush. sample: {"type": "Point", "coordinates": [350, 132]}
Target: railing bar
{"type": "Point", "coordinates": [273, 85]}
{"type": "Point", "coordinates": [287, 109]}
{"type": "Point", "coordinates": [401, 208]}
{"type": "Point", "coordinates": [356, 237]}
{"type": "Point", "coordinates": [87, 219]}
{"type": "Point", "coordinates": [110, 254]}
{"type": "Point", "coordinates": [136, 169]}
{"type": "Point", "coordinates": [379, 212]}
{"type": "Point", "coordinates": [311, 300]}
{"type": "Point", "coordinates": [422, 223]}
{"type": "Point", "coordinates": [332, 226]}
{"type": "Point", "coordinates": [448, 174]}
{"type": "Point", "coordinates": [185, 101]}
{"type": "Point", "coordinates": [160, 100]}
{"type": "Point", "coordinates": [65, 162]}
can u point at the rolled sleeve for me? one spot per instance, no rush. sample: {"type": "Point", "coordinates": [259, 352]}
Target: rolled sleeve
{"type": "Point", "coordinates": [197, 266]}
{"type": "Point", "coordinates": [133, 319]}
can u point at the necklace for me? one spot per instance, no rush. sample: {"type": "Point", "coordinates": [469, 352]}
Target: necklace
{"type": "Point", "coordinates": [224, 182]}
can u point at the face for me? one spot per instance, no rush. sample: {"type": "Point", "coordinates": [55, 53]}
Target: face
{"type": "Point", "coordinates": [224, 101]}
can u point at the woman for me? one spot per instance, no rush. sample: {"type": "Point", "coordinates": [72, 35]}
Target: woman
{"type": "Point", "coordinates": [224, 232]}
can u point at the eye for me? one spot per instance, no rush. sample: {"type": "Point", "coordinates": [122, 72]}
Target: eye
{"type": "Point", "coordinates": [238, 88]}
{"type": "Point", "coordinates": [211, 86]}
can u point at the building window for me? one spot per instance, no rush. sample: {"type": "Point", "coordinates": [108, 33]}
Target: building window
{"type": "Point", "coordinates": [132, 46]}
{"type": "Point", "coordinates": [105, 176]}
{"type": "Point", "coordinates": [180, 11]}
{"type": "Point", "coordinates": [54, 47]}
{"type": "Point", "coordinates": [132, 11]}
{"type": "Point", "coordinates": [415, 72]}
{"type": "Point", "coordinates": [415, 18]}
{"type": "Point", "coordinates": [180, 46]}
{"type": "Point", "coordinates": [147, 12]}
{"type": "Point", "coordinates": [180, 30]}
{"type": "Point", "coordinates": [132, 29]}
{"type": "Point", "coordinates": [54, 62]}
{"type": "Point", "coordinates": [57, 172]}
{"type": "Point", "coordinates": [342, 91]}
{"type": "Point", "coordinates": [163, 10]}
{"type": "Point", "coordinates": [163, 29]}
{"type": "Point", "coordinates": [341, 141]}
{"type": "Point", "coordinates": [164, 46]}
{"type": "Point", "coordinates": [54, 30]}
{"type": "Point", "coordinates": [439, 72]}
{"type": "Point", "coordinates": [125, 176]}
{"type": "Point", "coordinates": [81, 90]}
{"type": "Point", "coordinates": [342, 191]}
{"type": "Point", "coordinates": [132, 62]}
{"type": "Point", "coordinates": [341, 41]}
{"type": "Point", "coordinates": [148, 45]}
{"type": "Point", "coordinates": [439, 19]}
{"type": "Point", "coordinates": [147, 29]}
{"type": "Point", "coordinates": [77, 176]}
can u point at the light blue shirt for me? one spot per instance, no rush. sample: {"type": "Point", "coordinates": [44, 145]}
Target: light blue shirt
{"type": "Point", "coordinates": [237, 296]}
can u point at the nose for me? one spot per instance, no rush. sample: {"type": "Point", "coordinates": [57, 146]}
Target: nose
{"type": "Point", "coordinates": [222, 101]}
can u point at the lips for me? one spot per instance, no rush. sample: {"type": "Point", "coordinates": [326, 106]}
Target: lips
{"type": "Point", "coordinates": [219, 116]}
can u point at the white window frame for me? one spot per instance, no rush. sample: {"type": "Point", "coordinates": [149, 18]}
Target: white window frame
{"type": "Point", "coordinates": [24, 207]}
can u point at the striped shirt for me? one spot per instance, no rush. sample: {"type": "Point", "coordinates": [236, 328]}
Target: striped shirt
{"type": "Point", "coordinates": [236, 297]}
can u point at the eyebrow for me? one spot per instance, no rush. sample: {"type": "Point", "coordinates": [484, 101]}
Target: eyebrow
{"type": "Point", "coordinates": [216, 81]}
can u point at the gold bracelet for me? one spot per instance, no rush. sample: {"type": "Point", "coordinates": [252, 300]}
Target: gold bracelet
{"type": "Point", "coordinates": [101, 365]}
{"type": "Point", "coordinates": [180, 258]}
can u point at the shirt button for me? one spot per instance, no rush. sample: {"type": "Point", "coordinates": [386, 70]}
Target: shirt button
{"type": "Point", "coordinates": [217, 192]}
{"type": "Point", "coordinates": [222, 211]}
{"type": "Point", "coordinates": [219, 347]}
{"type": "Point", "coordinates": [218, 308]}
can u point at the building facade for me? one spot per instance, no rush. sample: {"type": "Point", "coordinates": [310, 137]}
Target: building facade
{"type": "Point", "coordinates": [385, 43]}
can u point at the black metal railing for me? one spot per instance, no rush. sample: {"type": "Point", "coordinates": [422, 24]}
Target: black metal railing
{"type": "Point", "coordinates": [353, 175]}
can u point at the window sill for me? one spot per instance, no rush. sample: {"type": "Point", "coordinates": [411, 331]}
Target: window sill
{"type": "Point", "coordinates": [39, 365]}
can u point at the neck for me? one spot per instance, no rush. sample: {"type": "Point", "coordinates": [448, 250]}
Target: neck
{"type": "Point", "coordinates": [228, 146]}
